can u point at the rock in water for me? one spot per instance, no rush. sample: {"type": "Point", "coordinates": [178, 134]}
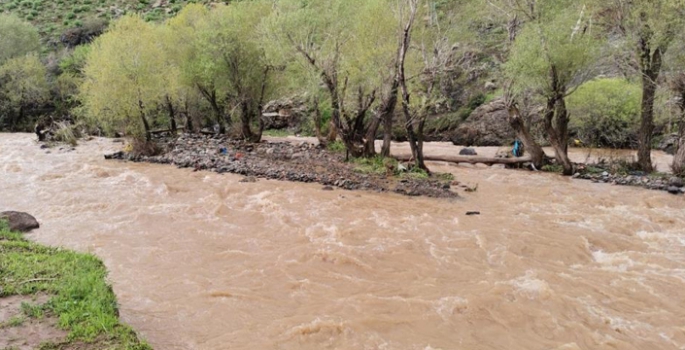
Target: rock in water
{"type": "Point", "coordinates": [468, 152]}
{"type": "Point", "coordinates": [19, 221]}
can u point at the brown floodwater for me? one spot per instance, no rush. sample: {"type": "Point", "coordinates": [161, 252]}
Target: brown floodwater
{"type": "Point", "coordinates": [199, 260]}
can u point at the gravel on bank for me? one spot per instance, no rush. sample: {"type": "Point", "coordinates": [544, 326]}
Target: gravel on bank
{"type": "Point", "coordinates": [301, 162]}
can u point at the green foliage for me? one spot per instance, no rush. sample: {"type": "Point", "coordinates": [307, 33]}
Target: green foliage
{"type": "Point", "coordinates": [376, 165]}
{"type": "Point", "coordinates": [18, 38]}
{"type": "Point", "coordinates": [336, 146]}
{"type": "Point", "coordinates": [553, 168]}
{"type": "Point", "coordinates": [81, 297]}
{"type": "Point", "coordinates": [606, 112]}
{"type": "Point", "coordinates": [416, 174]}
{"type": "Point", "coordinates": [23, 82]}
{"type": "Point", "coordinates": [553, 40]}
{"type": "Point", "coordinates": [125, 76]}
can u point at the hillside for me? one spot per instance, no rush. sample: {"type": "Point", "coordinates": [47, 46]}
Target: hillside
{"type": "Point", "coordinates": [55, 17]}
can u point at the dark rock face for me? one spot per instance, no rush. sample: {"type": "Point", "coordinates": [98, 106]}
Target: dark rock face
{"type": "Point", "coordinates": [83, 35]}
{"type": "Point", "coordinates": [488, 125]}
{"type": "Point", "coordinates": [19, 221]}
{"type": "Point", "coordinates": [468, 152]}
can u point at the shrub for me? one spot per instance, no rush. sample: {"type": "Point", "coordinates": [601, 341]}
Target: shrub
{"type": "Point", "coordinates": [605, 112]}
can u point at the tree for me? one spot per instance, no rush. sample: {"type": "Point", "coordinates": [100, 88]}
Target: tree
{"type": "Point", "coordinates": [553, 55]}
{"type": "Point", "coordinates": [125, 77]}
{"type": "Point", "coordinates": [678, 87]}
{"type": "Point", "coordinates": [650, 27]}
{"type": "Point", "coordinates": [18, 38]}
{"type": "Point", "coordinates": [232, 57]}
{"type": "Point", "coordinates": [333, 42]}
{"type": "Point", "coordinates": [182, 46]}
{"type": "Point", "coordinates": [23, 83]}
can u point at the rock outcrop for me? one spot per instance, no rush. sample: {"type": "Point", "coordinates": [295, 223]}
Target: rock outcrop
{"type": "Point", "coordinates": [488, 125]}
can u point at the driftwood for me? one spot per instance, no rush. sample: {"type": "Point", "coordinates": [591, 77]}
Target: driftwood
{"type": "Point", "coordinates": [154, 132]}
{"type": "Point", "coordinates": [469, 159]}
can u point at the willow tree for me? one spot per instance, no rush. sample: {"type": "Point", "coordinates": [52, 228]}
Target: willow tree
{"type": "Point", "coordinates": [553, 55]}
{"type": "Point", "coordinates": [649, 29]}
{"type": "Point", "coordinates": [231, 58]}
{"type": "Point", "coordinates": [341, 44]}
{"type": "Point", "coordinates": [23, 82]}
{"type": "Point", "coordinates": [184, 49]}
{"type": "Point", "coordinates": [125, 77]}
{"type": "Point", "coordinates": [17, 38]}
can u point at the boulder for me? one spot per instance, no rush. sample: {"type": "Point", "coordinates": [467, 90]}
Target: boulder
{"type": "Point", "coordinates": [668, 144]}
{"type": "Point", "coordinates": [284, 113]}
{"type": "Point", "coordinates": [468, 152]}
{"type": "Point", "coordinates": [676, 182]}
{"type": "Point", "coordinates": [673, 190]}
{"type": "Point", "coordinates": [488, 125]}
{"type": "Point", "coordinates": [19, 221]}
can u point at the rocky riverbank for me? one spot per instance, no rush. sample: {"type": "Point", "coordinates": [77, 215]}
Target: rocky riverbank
{"type": "Point", "coordinates": [301, 162]}
{"type": "Point", "coordinates": [658, 182]}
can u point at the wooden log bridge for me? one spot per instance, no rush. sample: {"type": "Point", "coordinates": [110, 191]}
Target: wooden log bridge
{"type": "Point", "coordinates": [469, 159]}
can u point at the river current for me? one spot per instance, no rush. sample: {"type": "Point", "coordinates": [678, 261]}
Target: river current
{"type": "Point", "coordinates": [199, 260]}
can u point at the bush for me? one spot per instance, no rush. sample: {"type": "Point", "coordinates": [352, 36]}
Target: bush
{"type": "Point", "coordinates": [605, 113]}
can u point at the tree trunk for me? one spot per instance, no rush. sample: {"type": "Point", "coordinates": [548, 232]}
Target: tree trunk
{"type": "Point", "coordinates": [387, 115]}
{"type": "Point", "coordinates": [172, 115]}
{"type": "Point", "coordinates": [210, 96]}
{"type": "Point", "coordinates": [417, 152]}
{"type": "Point", "coordinates": [537, 155]}
{"type": "Point", "coordinates": [317, 123]}
{"type": "Point", "coordinates": [644, 153]}
{"type": "Point", "coordinates": [189, 121]}
{"type": "Point", "coordinates": [146, 126]}
{"type": "Point", "coordinates": [679, 157]}
{"type": "Point", "coordinates": [16, 118]}
{"type": "Point", "coordinates": [387, 134]}
{"type": "Point", "coordinates": [245, 121]}
{"type": "Point", "coordinates": [555, 136]}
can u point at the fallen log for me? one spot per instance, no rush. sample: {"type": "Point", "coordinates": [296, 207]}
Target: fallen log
{"type": "Point", "coordinates": [469, 159]}
{"type": "Point", "coordinates": [154, 132]}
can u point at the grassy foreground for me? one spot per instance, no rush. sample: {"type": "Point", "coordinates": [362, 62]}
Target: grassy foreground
{"type": "Point", "coordinates": [81, 298]}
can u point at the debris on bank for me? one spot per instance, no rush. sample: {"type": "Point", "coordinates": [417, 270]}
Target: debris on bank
{"type": "Point", "coordinates": [300, 162]}
{"type": "Point", "coordinates": [659, 182]}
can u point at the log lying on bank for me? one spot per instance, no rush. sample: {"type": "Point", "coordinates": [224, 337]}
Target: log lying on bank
{"type": "Point", "coordinates": [469, 159]}
{"type": "Point", "coordinates": [154, 132]}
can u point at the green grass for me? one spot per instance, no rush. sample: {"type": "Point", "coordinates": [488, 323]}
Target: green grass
{"type": "Point", "coordinates": [81, 298]}
{"type": "Point", "coordinates": [14, 321]}
{"type": "Point", "coordinates": [376, 165]}
{"type": "Point", "coordinates": [53, 17]}
{"type": "Point", "coordinates": [277, 133]}
{"type": "Point", "coordinates": [336, 147]}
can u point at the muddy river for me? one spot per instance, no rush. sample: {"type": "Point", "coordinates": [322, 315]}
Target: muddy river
{"type": "Point", "coordinates": [201, 261]}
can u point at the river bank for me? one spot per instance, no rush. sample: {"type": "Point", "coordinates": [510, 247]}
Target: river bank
{"type": "Point", "coordinates": [57, 299]}
{"type": "Point", "coordinates": [297, 162]}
